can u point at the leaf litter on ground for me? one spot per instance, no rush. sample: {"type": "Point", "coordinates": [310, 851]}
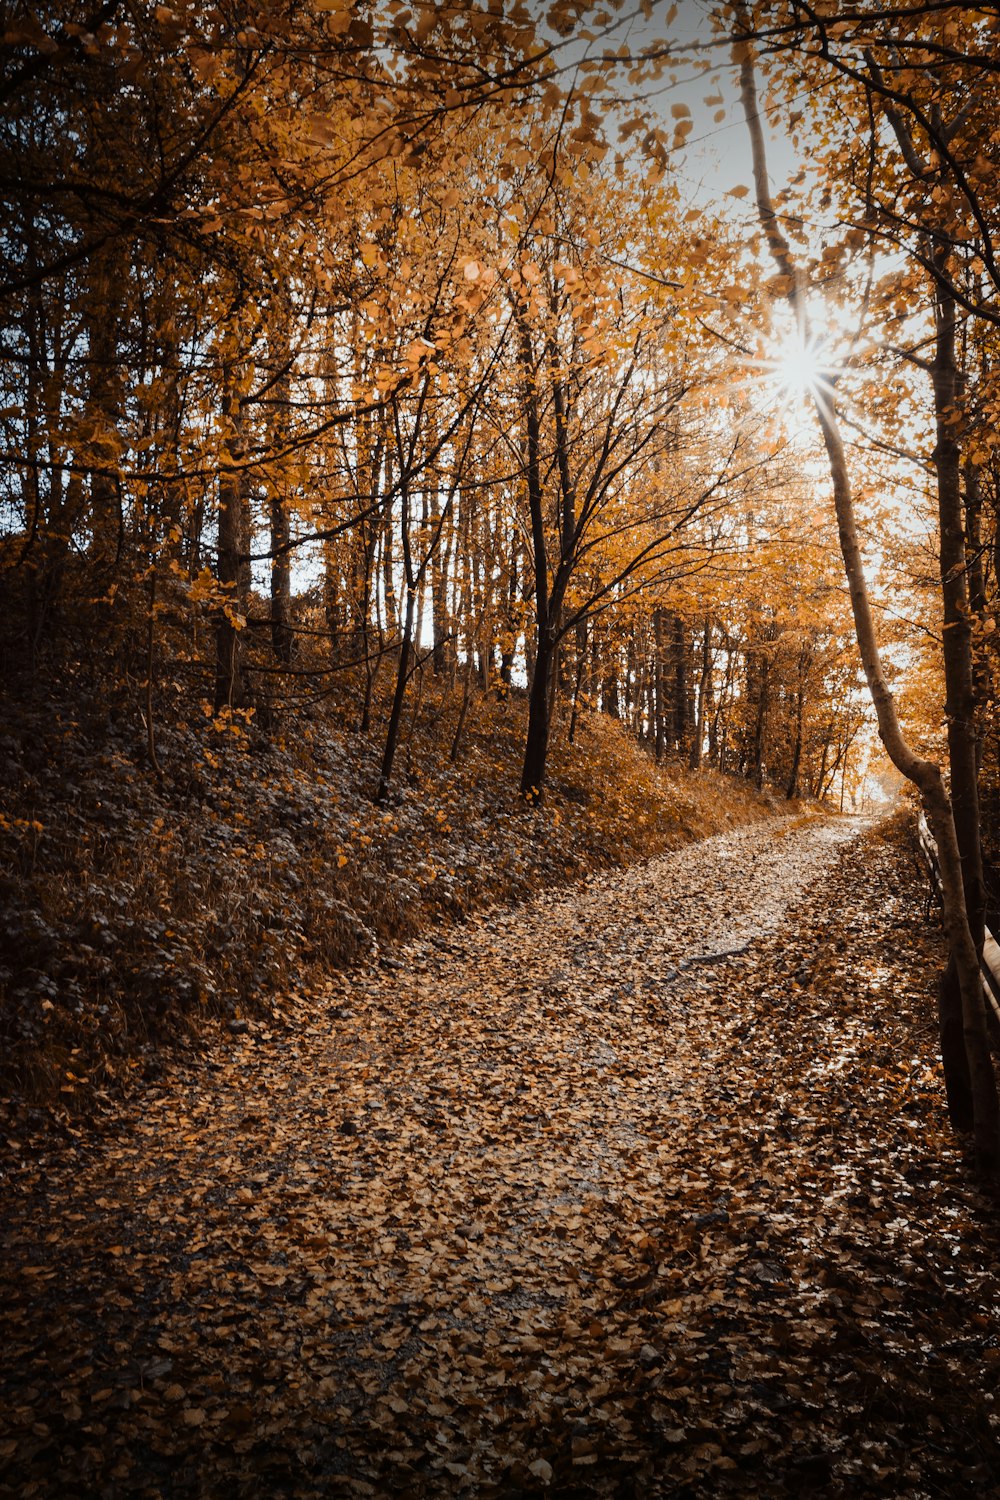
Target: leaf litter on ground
{"type": "Point", "coordinates": [639, 1189]}
{"type": "Point", "coordinates": [137, 909]}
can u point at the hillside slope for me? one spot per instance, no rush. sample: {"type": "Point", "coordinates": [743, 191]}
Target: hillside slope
{"type": "Point", "coordinates": [136, 905]}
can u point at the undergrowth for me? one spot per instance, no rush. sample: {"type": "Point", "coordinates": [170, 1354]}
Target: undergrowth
{"type": "Point", "coordinates": [137, 906]}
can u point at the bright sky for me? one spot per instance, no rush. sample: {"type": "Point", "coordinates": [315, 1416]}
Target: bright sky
{"type": "Point", "coordinates": [717, 155]}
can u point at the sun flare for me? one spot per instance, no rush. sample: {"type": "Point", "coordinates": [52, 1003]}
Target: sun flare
{"type": "Point", "coordinates": [799, 367]}
{"type": "Point", "coordinates": [792, 370]}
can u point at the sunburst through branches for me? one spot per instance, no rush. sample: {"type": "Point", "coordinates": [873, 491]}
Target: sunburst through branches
{"type": "Point", "coordinates": [799, 371]}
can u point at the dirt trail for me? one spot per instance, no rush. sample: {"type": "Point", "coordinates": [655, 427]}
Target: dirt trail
{"type": "Point", "coordinates": [640, 1189]}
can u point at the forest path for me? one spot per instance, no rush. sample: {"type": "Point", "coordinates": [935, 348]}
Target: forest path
{"type": "Point", "coordinates": [638, 1189]}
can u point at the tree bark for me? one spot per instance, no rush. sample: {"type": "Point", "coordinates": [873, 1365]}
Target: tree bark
{"type": "Point", "coordinates": [922, 773]}
{"type": "Point", "coordinates": [396, 714]}
{"type": "Point", "coordinates": [659, 685]}
{"type": "Point", "coordinates": [103, 315]}
{"type": "Point", "coordinates": [960, 693]}
{"type": "Point", "coordinates": [792, 789]}
{"type": "Point", "coordinates": [704, 704]}
{"type": "Point", "coordinates": [763, 676]}
{"type": "Point", "coordinates": [539, 703]}
{"type": "Point", "coordinates": [281, 583]}
{"type": "Point", "coordinates": [282, 638]}
{"type": "Point", "coordinates": [582, 648]}
{"type": "Point", "coordinates": [975, 552]}
{"type": "Point", "coordinates": [536, 746]}
{"type": "Point", "coordinates": [231, 690]}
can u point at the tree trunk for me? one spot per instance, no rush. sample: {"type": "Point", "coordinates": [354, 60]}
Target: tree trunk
{"type": "Point", "coordinates": [388, 574]}
{"type": "Point", "coordinates": [659, 684]}
{"type": "Point", "coordinates": [281, 582]}
{"type": "Point", "coordinates": [610, 702]}
{"type": "Point", "coordinates": [681, 689]}
{"type": "Point", "coordinates": [975, 551]}
{"type": "Point", "coordinates": [103, 312]}
{"type": "Point", "coordinates": [755, 764]}
{"type": "Point", "coordinates": [282, 639]}
{"type": "Point", "coordinates": [927, 778]}
{"type": "Point", "coordinates": [960, 696]}
{"type": "Point", "coordinates": [333, 612]}
{"type": "Point", "coordinates": [396, 715]}
{"type": "Point", "coordinates": [231, 690]}
{"type": "Point", "coordinates": [536, 747]}
{"type": "Point", "coordinates": [704, 704]}
{"type": "Point", "coordinates": [792, 789]}
{"type": "Point", "coordinates": [582, 647]}
{"type": "Point", "coordinates": [924, 774]}
{"type": "Point", "coordinates": [463, 712]}
{"type": "Point", "coordinates": [441, 577]}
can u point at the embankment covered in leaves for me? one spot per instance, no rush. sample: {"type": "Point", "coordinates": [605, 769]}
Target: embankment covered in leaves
{"type": "Point", "coordinates": [137, 905]}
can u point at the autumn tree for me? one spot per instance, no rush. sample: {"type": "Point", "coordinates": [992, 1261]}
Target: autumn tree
{"type": "Point", "coordinates": [922, 772]}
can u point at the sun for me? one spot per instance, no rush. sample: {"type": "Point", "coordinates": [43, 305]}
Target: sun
{"type": "Point", "coordinates": [801, 367]}
{"type": "Point", "coordinates": [794, 371]}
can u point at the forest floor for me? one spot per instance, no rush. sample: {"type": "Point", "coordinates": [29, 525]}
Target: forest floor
{"type": "Point", "coordinates": [639, 1189]}
{"type": "Point", "coordinates": [140, 910]}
